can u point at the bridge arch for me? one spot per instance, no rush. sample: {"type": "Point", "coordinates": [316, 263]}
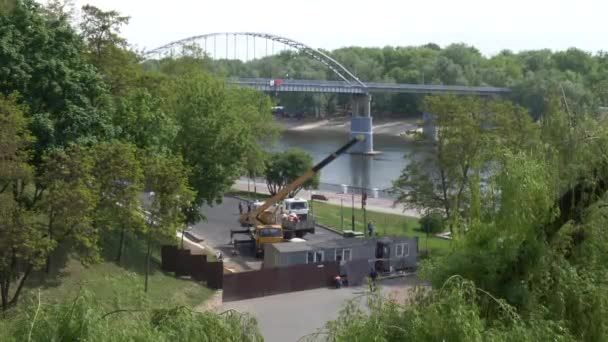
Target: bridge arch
{"type": "Point", "coordinates": [337, 68]}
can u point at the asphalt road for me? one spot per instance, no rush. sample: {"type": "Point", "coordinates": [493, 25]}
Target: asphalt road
{"type": "Point", "coordinates": [222, 218]}
{"type": "Point", "coordinates": [287, 317]}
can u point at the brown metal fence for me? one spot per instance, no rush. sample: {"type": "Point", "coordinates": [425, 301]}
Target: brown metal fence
{"type": "Point", "coordinates": [270, 281]}
{"type": "Point", "coordinates": [195, 266]}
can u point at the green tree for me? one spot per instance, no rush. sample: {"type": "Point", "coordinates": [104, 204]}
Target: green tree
{"type": "Point", "coordinates": [167, 181]}
{"type": "Point", "coordinates": [101, 29]}
{"type": "Point", "coordinates": [60, 9]}
{"type": "Point", "coordinates": [219, 128]}
{"type": "Point", "coordinates": [141, 119]}
{"type": "Point", "coordinates": [167, 177]}
{"type": "Point", "coordinates": [6, 6]}
{"type": "Point", "coordinates": [69, 201]}
{"type": "Point", "coordinates": [432, 223]}
{"type": "Point", "coordinates": [120, 178]}
{"type": "Point", "coordinates": [439, 179]}
{"type": "Point", "coordinates": [23, 245]}
{"type": "Point", "coordinates": [283, 168]}
{"type": "Point", "coordinates": [471, 135]}
{"type": "Point", "coordinates": [43, 59]}
{"type": "Point", "coordinates": [108, 51]}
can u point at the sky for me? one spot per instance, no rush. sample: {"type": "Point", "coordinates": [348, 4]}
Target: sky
{"type": "Point", "coordinates": [489, 25]}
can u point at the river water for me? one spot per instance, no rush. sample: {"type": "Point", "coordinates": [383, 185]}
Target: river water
{"type": "Point", "coordinates": [378, 171]}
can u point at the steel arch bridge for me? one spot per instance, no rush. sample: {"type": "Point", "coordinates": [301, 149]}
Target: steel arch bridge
{"type": "Point", "coordinates": [361, 122]}
{"type": "Point", "coordinates": [337, 68]}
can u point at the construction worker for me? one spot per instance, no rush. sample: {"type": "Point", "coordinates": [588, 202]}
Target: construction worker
{"type": "Point", "coordinates": [338, 281]}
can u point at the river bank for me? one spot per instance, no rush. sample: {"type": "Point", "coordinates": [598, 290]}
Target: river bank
{"type": "Point", "coordinates": [391, 127]}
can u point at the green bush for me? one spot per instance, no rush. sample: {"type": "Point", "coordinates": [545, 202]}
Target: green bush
{"type": "Point", "coordinates": [432, 223]}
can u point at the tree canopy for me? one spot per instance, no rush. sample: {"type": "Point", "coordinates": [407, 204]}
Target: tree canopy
{"type": "Point", "coordinates": [86, 128]}
{"type": "Point", "coordinates": [282, 168]}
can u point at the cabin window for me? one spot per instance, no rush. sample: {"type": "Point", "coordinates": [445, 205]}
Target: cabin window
{"type": "Point", "coordinates": [319, 256]}
{"type": "Point", "coordinates": [315, 257]}
{"type": "Point", "coordinates": [346, 254]}
{"type": "Point", "coordinates": [343, 254]}
{"type": "Point", "coordinates": [402, 250]}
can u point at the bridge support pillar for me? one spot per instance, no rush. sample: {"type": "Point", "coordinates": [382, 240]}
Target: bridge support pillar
{"type": "Point", "coordinates": [367, 105]}
{"type": "Point", "coordinates": [363, 125]}
{"type": "Point", "coordinates": [428, 129]}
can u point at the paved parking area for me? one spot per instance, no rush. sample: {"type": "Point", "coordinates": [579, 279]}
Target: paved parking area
{"type": "Point", "coordinates": [216, 233]}
{"type": "Point", "coordinates": [287, 317]}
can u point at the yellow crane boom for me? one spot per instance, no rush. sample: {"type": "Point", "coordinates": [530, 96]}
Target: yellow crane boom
{"type": "Point", "coordinates": [256, 217]}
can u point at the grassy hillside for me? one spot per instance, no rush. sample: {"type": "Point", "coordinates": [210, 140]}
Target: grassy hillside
{"type": "Point", "coordinates": [117, 285]}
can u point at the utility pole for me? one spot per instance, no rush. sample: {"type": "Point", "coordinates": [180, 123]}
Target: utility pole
{"type": "Point", "coordinates": [353, 210]}
{"type": "Point", "coordinates": [255, 189]}
{"type": "Point", "coordinates": [342, 214]}
{"type": "Point", "coordinates": [363, 204]}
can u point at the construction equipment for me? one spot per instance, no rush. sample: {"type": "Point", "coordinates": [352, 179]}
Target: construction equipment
{"type": "Point", "coordinates": [261, 223]}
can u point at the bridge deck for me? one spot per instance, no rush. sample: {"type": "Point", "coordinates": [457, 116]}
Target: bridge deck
{"type": "Point", "coordinates": [313, 86]}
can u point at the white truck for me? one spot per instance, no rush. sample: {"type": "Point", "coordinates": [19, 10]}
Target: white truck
{"type": "Point", "coordinates": [296, 219]}
{"type": "Point", "coordinates": [294, 216]}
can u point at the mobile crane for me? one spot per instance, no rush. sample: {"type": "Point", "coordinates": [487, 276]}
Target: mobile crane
{"type": "Point", "coordinates": [261, 223]}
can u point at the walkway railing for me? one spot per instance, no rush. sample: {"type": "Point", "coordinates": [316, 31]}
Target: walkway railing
{"type": "Point", "coordinates": [343, 189]}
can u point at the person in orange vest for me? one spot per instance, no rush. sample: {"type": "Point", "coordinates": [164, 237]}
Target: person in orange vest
{"type": "Point", "coordinates": [338, 281]}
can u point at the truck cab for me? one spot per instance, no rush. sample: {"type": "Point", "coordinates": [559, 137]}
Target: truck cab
{"type": "Point", "coordinates": [297, 206]}
{"type": "Point", "coordinates": [270, 233]}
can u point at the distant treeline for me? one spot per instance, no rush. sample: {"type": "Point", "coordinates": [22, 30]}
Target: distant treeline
{"type": "Point", "coordinates": [533, 75]}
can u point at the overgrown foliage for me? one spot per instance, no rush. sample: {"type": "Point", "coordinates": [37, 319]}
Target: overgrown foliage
{"type": "Point", "coordinates": [531, 262]}
{"type": "Point", "coordinates": [84, 319]}
{"type": "Point", "coordinates": [449, 313]}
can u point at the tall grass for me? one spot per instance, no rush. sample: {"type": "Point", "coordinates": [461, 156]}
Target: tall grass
{"type": "Point", "coordinates": [83, 318]}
